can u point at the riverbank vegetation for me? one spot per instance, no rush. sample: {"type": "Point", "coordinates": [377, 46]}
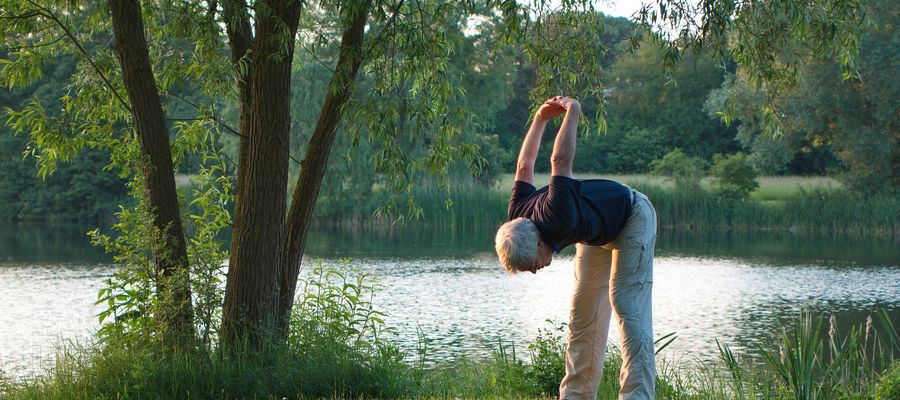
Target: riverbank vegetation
{"type": "Point", "coordinates": [339, 348]}
{"type": "Point", "coordinates": [355, 108]}
{"type": "Point", "coordinates": [802, 205]}
{"type": "Point", "coordinates": [701, 107]}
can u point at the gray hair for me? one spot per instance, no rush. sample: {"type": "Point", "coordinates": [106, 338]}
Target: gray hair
{"type": "Point", "coordinates": [516, 244]}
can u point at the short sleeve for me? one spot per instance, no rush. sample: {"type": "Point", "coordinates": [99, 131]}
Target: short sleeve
{"type": "Point", "coordinates": [521, 191]}
{"type": "Point", "coordinates": [562, 199]}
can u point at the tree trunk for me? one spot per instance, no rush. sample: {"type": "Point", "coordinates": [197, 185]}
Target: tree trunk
{"type": "Point", "coordinates": [251, 291]}
{"type": "Point", "coordinates": [307, 190]}
{"type": "Point", "coordinates": [168, 243]}
{"type": "Point", "coordinates": [240, 39]}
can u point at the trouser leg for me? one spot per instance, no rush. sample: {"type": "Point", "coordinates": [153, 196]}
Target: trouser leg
{"type": "Point", "coordinates": [589, 316]}
{"type": "Point", "coordinates": [631, 287]}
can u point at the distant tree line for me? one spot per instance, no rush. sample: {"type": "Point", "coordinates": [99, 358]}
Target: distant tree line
{"type": "Point", "coordinates": [843, 126]}
{"type": "Point", "coordinates": [82, 190]}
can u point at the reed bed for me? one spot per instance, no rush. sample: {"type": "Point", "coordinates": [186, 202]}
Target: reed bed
{"type": "Point", "coordinates": [811, 208]}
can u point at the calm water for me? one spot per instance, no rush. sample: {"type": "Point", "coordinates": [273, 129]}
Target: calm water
{"type": "Point", "coordinates": [447, 284]}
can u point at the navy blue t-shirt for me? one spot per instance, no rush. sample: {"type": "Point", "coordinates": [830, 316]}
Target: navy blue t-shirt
{"type": "Point", "coordinates": [591, 211]}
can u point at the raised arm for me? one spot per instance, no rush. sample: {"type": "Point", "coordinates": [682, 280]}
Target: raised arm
{"type": "Point", "coordinates": [532, 142]}
{"type": "Point", "coordinates": [564, 146]}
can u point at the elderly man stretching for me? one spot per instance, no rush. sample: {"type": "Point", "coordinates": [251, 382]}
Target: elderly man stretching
{"type": "Point", "coordinates": [614, 231]}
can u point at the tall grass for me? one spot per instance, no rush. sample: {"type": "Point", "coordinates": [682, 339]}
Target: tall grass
{"type": "Point", "coordinates": [809, 363]}
{"type": "Point", "coordinates": [820, 211]}
{"type": "Point", "coordinates": [805, 363]}
{"type": "Point", "coordinates": [807, 205]}
{"type": "Point", "coordinates": [816, 211]}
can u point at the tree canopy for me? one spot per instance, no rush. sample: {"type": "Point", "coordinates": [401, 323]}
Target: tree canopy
{"type": "Point", "coordinates": [404, 82]}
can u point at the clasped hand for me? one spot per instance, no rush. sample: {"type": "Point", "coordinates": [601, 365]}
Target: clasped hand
{"type": "Point", "coordinates": [555, 106]}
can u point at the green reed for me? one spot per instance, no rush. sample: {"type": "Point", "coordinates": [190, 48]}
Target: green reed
{"type": "Point", "coordinates": [823, 210]}
{"type": "Point", "coordinates": [808, 362]}
{"type": "Point", "coordinates": [819, 211]}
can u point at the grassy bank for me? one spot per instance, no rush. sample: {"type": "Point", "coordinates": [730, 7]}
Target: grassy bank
{"type": "Point", "coordinates": [338, 348]}
{"type": "Point", "coordinates": [811, 361]}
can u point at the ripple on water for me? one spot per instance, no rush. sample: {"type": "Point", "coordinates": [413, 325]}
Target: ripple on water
{"type": "Point", "coordinates": [466, 306]}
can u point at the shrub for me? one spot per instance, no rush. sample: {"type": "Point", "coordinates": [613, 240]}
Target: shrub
{"type": "Point", "coordinates": [548, 359]}
{"type": "Point", "coordinates": [735, 177]}
{"type": "Point", "coordinates": [685, 170]}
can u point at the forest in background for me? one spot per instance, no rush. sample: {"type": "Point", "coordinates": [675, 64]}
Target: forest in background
{"type": "Point", "coordinates": [830, 125]}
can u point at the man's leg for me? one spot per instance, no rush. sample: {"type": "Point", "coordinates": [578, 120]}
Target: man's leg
{"type": "Point", "coordinates": [631, 297]}
{"type": "Point", "coordinates": [588, 323]}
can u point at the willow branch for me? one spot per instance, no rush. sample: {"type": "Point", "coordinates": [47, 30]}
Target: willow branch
{"type": "Point", "coordinates": [46, 12]}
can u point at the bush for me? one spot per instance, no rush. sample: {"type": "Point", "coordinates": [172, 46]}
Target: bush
{"type": "Point", "coordinates": [735, 177]}
{"type": "Point", "coordinates": [685, 170]}
{"type": "Point", "coordinates": [548, 359]}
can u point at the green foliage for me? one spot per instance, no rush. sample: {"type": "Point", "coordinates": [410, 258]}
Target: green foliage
{"type": "Point", "coordinates": [130, 298]}
{"type": "Point", "coordinates": [869, 160]}
{"type": "Point", "coordinates": [685, 170]}
{"type": "Point", "coordinates": [827, 120]}
{"type": "Point", "coordinates": [819, 211]}
{"type": "Point", "coordinates": [336, 305]}
{"type": "Point", "coordinates": [464, 152]}
{"type": "Point", "coordinates": [848, 364]}
{"type": "Point", "coordinates": [769, 41]}
{"type": "Point", "coordinates": [338, 347]}
{"type": "Point", "coordinates": [212, 198]}
{"type": "Point", "coordinates": [645, 98]}
{"type": "Point", "coordinates": [808, 365]}
{"type": "Point", "coordinates": [335, 326]}
{"type": "Point", "coordinates": [735, 102]}
{"type": "Point", "coordinates": [735, 177]}
{"type": "Point", "coordinates": [888, 386]}
{"type": "Point", "coordinates": [548, 359]}
{"type": "Point", "coordinates": [83, 190]}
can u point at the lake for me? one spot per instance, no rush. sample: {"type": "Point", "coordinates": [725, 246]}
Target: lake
{"type": "Point", "coordinates": [447, 284]}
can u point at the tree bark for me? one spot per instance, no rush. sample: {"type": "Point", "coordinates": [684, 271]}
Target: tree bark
{"type": "Point", "coordinates": [252, 286]}
{"type": "Point", "coordinates": [168, 244]}
{"type": "Point", "coordinates": [240, 40]}
{"type": "Point", "coordinates": [315, 162]}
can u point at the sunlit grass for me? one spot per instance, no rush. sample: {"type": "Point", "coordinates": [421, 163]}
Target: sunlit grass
{"type": "Point", "coordinates": [781, 187]}
{"type": "Point", "coordinates": [505, 182]}
{"type": "Point", "coordinates": [771, 188]}
{"type": "Point", "coordinates": [813, 359]}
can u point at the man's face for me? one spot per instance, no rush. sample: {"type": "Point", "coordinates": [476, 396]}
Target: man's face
{"type": "Point", "coordinates": [543, 258]}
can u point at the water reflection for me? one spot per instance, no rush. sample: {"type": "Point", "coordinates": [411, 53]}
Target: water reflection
{"type": "Point", "coordinates": [465, 306]}
{"type": "Point", "coordinates": [446, 285]}
{"type": "Point", "coordinates": [415, 241]}
{"type": "Point", "coordinates": [38, 243]}
{"type": "Point", "coordinates": [68, 243]}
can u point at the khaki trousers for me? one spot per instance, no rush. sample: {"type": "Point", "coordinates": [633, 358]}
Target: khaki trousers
{"type": "Point", "coordinates": [617, 276]}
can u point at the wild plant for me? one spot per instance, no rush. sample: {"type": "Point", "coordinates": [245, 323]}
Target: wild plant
{"type": "Point", "coordinates": [807, 365]}
{"type": "Point", "coordinates": [548, 358]}
{"type": "Point", "coordinates": [129, 297]}
{"type": "Point", "coordinates": [337, 304]}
